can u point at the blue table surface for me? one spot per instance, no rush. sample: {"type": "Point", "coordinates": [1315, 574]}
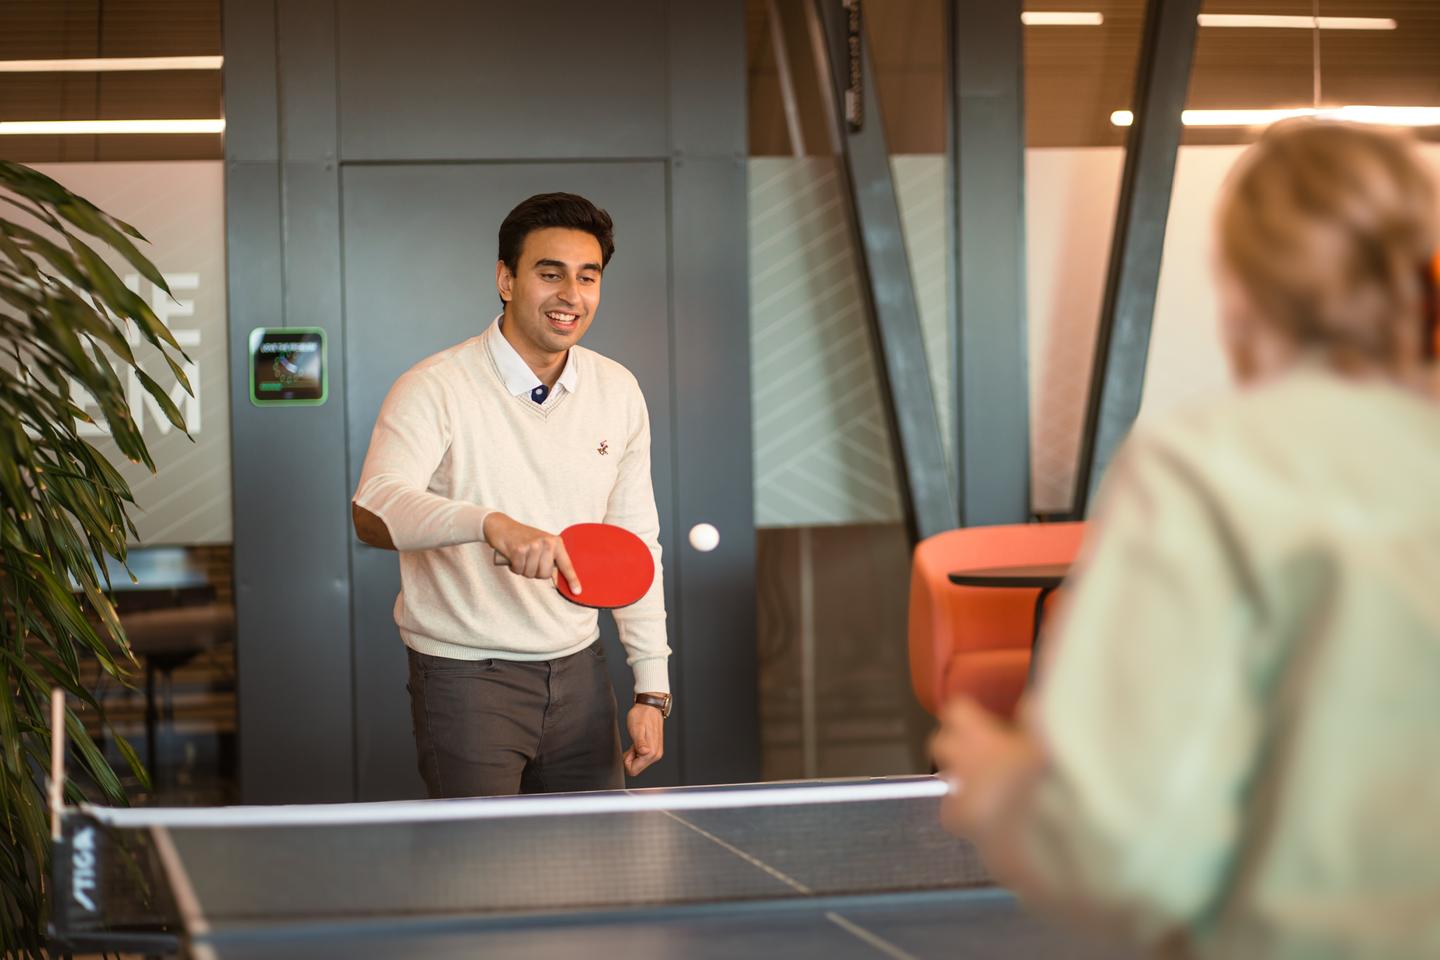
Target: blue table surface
{"type": "Point", "coordinates": [830, 880]}
{"type": "Point", "coordinates": [984, 924]}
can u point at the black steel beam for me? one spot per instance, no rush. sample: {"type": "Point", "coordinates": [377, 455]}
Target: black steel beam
{"type": "Point", "coordinates": [1117, 380]}
{"type": "Point", "coordinates": [879, 243]}
{"type": "Point", "coordinates": [985, 150]}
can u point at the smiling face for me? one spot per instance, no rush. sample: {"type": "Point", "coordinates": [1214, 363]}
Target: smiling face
{"type": "Point", "coordinates": [551, 298]}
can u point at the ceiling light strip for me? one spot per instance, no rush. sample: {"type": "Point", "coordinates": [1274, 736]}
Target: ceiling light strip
{"type": "Point", "coordinates": [1046, 18]}
{"type": "Point", "coordinates": [108, 64]}
{"type": "Point", "coordinates": [1062, 18]}
{"type": "Point", "coordinates": [1355, 113]}
{"type": "Point", "coordinates": [63, 127]}
{"type": "Point", "coordinates": [1252, 21]}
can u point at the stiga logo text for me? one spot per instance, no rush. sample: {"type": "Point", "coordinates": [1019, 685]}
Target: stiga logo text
{"type": "Point", "coordinates": [82, 869]}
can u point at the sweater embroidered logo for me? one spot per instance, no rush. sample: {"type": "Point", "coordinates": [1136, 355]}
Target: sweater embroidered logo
{"type": "Point", "coordinates": [604, 448]}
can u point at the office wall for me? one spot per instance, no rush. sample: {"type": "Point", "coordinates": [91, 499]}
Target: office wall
{"type": "Point", "coordinates": [822, 455]}
{"type": "Point", "coordinates": [370, 155]}
{"type": "Point", "coordinates": [178, 206]}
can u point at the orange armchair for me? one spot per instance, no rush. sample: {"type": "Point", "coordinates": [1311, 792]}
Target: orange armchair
{"type": "Point", "coordinates": [975, 641]}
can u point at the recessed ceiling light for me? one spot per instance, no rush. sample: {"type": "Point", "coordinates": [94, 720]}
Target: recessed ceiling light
{"type": "Point", "coordinates": [1394, 116]}
{"type": "Point", "coordinates": [1389, 116]}
{"type": "Point", "coordinates": [107, 64]}
{"type": "Point", "coordinates": [1295, 23]}
{"type": "Point", "coordinates": [1046, 18]}
{"type": "Point", "coordinates": [1061, 18]}
{"type": "Point", "coordinates": [48, 127]}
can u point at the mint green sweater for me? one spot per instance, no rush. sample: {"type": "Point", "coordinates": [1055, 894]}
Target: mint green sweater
{"type": "Point", "coordinates": [1241, 695]}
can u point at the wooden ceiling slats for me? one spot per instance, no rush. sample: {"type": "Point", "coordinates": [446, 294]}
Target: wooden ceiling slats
{"type": "Point", "coordinates": [1075, 76]}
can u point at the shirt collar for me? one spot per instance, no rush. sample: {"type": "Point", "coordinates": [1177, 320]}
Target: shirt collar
{"type": "Point", "coordinates": [519, 378]}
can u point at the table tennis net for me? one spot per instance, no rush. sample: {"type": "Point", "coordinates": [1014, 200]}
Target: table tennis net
{"type": "Point", "coordinates": [264, 873]}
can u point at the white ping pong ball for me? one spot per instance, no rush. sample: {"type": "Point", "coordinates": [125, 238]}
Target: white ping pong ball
{"type": "Point", "coordinates": [704, 537]}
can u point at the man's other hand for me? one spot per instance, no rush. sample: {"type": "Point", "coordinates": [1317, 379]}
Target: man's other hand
{"type": "Point", "coordinates": [986, 761]}
{"type": "Point", "coordinates": [647, 738]}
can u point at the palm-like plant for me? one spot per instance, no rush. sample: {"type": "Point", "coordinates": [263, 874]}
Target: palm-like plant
{"type": "Point", "coordinates": [63, 507]}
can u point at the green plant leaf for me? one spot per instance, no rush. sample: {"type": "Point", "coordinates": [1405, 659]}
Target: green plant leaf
{"type": "Point", "coordinates": [119, 298]}
{"type": "Point", "coordinates": [9, 725]}
{"type": "Point", "coordinates": [84, 215]}
{"type": "Point", "coordinates": [172, 412]}
{"type": "Point", "coordinates": [64, 315]}
{"type": "Point", "coordinates": [132, 760]}
{"type": "Point", "coordinates": [93, 760]}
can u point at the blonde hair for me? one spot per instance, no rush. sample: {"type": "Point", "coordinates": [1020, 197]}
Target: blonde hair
{"type": "Point", "coordinates": [1331, 231]}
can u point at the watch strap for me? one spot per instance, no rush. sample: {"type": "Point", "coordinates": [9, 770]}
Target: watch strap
{"type": "Point", "coordinates": [660, 701]}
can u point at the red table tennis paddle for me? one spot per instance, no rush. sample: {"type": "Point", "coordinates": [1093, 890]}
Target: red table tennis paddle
{"type": "Point", "coordinates": [614, 566]}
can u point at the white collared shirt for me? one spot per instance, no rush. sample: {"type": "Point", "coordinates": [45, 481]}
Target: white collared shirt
{"type": "Point", "coordinates": [519, 379]}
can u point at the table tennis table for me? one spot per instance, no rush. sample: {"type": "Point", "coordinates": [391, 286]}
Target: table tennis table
{"type": "Point", "coordinates": [823, 869]}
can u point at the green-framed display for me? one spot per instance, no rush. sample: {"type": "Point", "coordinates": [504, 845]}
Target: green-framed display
{"type": "Point", "coordinates": [287, 366]}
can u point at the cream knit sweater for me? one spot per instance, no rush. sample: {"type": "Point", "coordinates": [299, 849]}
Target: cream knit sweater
{"type": "Point", "coordinates": [452, 444]}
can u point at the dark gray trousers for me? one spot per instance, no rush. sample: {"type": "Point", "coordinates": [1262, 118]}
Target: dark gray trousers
{"type": "Point", "coordinates": [496, 727]}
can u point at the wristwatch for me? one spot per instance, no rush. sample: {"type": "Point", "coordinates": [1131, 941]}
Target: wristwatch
{"type": "Point", "coordinates": [660, 701]}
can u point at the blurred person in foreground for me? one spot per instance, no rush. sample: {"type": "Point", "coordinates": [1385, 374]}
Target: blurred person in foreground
{"type": "Point", "coordinates": [1233, 749]}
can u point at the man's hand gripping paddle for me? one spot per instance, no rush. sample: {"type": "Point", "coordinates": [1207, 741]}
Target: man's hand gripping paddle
{"type": "Point", "coordinates": [614, 567]}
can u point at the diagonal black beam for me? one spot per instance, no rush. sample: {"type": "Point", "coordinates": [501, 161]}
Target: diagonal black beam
{"type": "Point", "coordinates": [1117, 379]}
{"type": "Point", "coordinates": [986, 160]}
{"type": "Point", "coordinates": [879, 243]}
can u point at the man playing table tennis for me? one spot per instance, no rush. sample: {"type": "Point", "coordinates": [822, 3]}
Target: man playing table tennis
{"type": "Point", "coordinates": [1232, 750]}
{"type": "Point", "coordinates": [494, 446]}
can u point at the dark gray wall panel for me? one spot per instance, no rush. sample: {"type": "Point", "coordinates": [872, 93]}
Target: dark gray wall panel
{"type": "Point", "coordinates": [714, 634]}
{"type": "Point", "coordinates": [987, 164]}
{"type": "Point", "coordinates": [706, 118]}
{"type": "Point", "coordinates": [420, 251]}
{"type": "Point", "coordinates": [312, 258]}
{"type": "Point", "coordinates": [291, 577]}
{"type": "Point", "coordinates": [251, 121]}
{"type": "Point", "coordinates": [718, 692]}
{"type": "Point", "coordinates": [455, 79]}
{"type": "Point", "coordinates": [291, 530]}
{"type": "Point", "coordinates": [252, 248]}
{"type": "Point", "coordinates": [306, 44]}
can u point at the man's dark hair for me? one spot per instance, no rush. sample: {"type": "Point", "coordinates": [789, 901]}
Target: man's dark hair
{"type": "Point", "coordinates": [554, 210]}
